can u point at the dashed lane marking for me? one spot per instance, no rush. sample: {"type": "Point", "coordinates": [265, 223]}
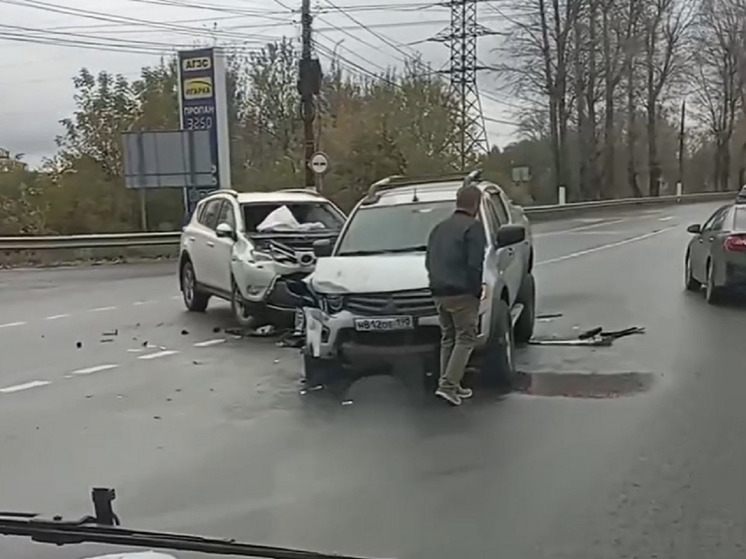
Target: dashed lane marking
{"type": "Point", "coordinates": [96, 369]}
{"type": "Point", "coordinates": [208, 343]}
{"type": "Point", "coordinates": [24, 386]}
{"type": "Point", "coordinates": [56, 316]}
{"type": "Point", "coordinates": [158, 354]}
{"type": "Point", "coordinates": [102, 309]}
{"type": "Point", "coordinates": [582, 227]}
{"type": "Point", "coordinates": [139, 303]}
{"type": "Point", "coordinates": [667, 218]}
{"type": "Point", "coordinates": [11, 324]}
{"type": "Point", "coordinates": [604, 247]}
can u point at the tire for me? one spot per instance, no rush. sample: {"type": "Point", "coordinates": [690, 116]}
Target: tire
{"type": "Point", "coordinates": [524, 327]}
{"type": "Point", "coordinates": [498, 366]}
{"type": "Point", "coordinates": [243, 314]}
{"type": "Point", "coordinates": [690, 282]}
{"type": "Point", "coordinates": [713, 294]}
{"type": "Point", "coordinates": [194, 299]}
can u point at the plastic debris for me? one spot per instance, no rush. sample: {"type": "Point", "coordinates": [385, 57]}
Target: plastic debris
{"type": "Point", "coordinates": [595, 337]}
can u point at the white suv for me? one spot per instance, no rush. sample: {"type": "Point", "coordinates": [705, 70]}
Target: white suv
{"type": "Point", "coordinates": [243, 247]}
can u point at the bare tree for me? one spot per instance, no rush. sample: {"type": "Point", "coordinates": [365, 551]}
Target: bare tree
{"type": "Point", "coordinates": [665, 23]}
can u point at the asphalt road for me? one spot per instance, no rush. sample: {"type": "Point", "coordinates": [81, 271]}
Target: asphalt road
{"type": "Point", "coordinates": [200, 432]}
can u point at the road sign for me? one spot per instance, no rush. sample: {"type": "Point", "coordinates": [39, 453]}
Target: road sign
{"type": "Point", "coordinates": [203, 105]}
{"type": "Point", "coordinates": [319, 163]}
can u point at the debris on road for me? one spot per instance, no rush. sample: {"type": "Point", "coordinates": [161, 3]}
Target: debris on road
{"type": "Point", "coordinates": [548, 316]}
{"type": "Point", "coordinates": [78, 344]}
{"type": "Point", "coordinates": [111, 334]}
{"type": "Point", "coordinates": [595, 337]}
{"type": "Point", "coordinates": [185, 332]}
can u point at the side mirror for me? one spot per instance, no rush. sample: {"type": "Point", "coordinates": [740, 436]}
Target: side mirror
{"type": "Point", "coordinates": [510, 235]}
{"type": "Point", "coordinates": [695, 229]}
{"type": "Point", "coordinates": [225, 231]}
{"type": "Point", "coordinates": [322, 248]}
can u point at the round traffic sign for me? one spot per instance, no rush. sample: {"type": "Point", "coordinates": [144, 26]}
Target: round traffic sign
{"type": "Point", "coordinates": [319, 162]}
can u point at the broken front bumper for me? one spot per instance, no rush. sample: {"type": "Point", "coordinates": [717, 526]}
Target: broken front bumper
{"type": "Point", "coordinates": [334, 337]}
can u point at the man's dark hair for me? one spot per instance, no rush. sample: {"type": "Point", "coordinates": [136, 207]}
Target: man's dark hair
{"type": "Point", "coordinates": [468, 197]}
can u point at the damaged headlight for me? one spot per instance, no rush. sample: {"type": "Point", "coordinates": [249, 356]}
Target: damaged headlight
{"type": "Point", "coordinates": [332, 304]}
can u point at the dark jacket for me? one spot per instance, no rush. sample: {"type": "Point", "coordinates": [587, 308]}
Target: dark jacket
{"type": "Point", "coordinates": [455, 256]}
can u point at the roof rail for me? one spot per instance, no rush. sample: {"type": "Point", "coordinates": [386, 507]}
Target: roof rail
{"type": "Point", "coordinates": [395, 181]}
{"type": "Point", "coordinates": [307, 190]}
{"type": "Point", "coordinates": [230, 191]}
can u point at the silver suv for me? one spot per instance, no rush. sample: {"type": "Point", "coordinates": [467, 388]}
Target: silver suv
{"type": "Point", "coordinates": [372, 304]}
{"type": "Point", "coordinates": [244, 247]}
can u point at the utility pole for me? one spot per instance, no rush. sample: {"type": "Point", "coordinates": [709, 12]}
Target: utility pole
{"type": "Point", "coordinates": [680, 185]}
{"type": "Point", "coordinates": [309, 85]}
{"type": "Point", "coordinates": [461, 37]}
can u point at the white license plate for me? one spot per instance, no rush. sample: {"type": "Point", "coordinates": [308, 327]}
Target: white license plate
{"type": "Point", "coordinates": [384, 324]}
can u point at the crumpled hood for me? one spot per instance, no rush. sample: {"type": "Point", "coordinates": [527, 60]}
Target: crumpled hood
{"type": "Point", "coordinates": [369, 274]}
{"type": "Point", "coordinates": [135, 555]}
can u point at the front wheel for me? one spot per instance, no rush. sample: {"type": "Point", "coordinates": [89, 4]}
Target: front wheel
{"type": "Point", "coordinates": [194, 299]}
{"type": "Point", "coordinates": [242, 312]}
{"type": "Point", "coordinates": [524, 326]}
{"type": "Point", "coordinates": [498, 366]}
{"type": "Point", "coordinates": [713, 293]}
{"type": "Point", "coordinates": [690, 282]}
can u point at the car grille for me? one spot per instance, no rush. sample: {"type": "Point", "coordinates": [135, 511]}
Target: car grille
{"type": "Point", "coordinates": [416, 303]}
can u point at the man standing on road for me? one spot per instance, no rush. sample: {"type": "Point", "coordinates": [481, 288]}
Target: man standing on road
{"type": "Point", "coordinates": [455, 257]}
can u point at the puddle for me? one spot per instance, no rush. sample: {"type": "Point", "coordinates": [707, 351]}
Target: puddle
{"type": "Point", "coordinates": [584, 385]}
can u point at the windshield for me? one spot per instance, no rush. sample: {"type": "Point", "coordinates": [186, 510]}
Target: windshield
{"type": "Point", "coordinates": [305, 213]}
{"type": "Point", "coordinates": [401, 228]}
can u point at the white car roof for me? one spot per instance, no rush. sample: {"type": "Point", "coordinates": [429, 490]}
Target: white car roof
{"type": "Point", "coordinates": [426, 192]}
{"type": "Point", "coordinates": [278, 196]}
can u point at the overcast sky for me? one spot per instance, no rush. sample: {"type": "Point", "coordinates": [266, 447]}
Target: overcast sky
{"type": "Point", "coordinates": [36, 88]}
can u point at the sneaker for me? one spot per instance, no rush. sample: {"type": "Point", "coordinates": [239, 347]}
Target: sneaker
{"type": "Point", "coordinates": [464, 393]}
{"type": "Point", "coordinates": [449, 396]}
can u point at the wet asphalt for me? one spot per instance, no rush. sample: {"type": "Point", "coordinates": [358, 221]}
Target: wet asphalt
{"type": "Point", "coordinates": [634, 450]}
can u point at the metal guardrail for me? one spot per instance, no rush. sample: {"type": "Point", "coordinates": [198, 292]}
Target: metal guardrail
{"type": "Point", "coordinates": [129, 240]}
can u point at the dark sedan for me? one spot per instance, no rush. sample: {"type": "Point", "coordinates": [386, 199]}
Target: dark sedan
{"type": "Point", "coordinates": [716, 255]}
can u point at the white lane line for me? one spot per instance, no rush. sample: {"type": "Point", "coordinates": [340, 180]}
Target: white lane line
{"type": "Point", "coordinates": [583, 227]}
{"type": "Point", "coordinates": [604, 247]}
{"type": "Point", "coordinates": [139, 303]}
{"type": "Point", "coordinates": [56, 316]}
{"type": "Point", "coordinates": [96, 369]}
{"type": "Point", "coordinates": [11, 324]}
{"type": "Point", "coordinates": [669, 218]}
{"type": "Point", "coordinates": [24, 386]}
{"type": "Point", "coordinates": [102, 309]}
{"type": "Point", "coordinates": [208, 343]}
{"type": "Point", "coordinates": [176, 297]}
{"type": "Point", "coordinates": [158, 354]}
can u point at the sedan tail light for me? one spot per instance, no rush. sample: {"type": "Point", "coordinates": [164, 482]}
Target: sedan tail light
{"type": "Point", "coordinates": [735, 243]}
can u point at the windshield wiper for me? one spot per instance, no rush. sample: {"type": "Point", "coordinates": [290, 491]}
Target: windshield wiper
{"type": "Point", "coordinates": [104, 528]}
{"type": "Point", "coordinates": [416, 248]}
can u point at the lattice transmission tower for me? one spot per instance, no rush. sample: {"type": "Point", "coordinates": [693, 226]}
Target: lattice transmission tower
{"type": "Point", "coordinates": [461, 37]}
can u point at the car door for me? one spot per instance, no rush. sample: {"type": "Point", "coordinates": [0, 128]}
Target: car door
{"type": "Point", "coordinates": [203, 240]}
{"type": "Point", "coordinates": [700, 246]}
{"type": "Point", "coordinates": [509, 264]}
{"type": "Point", "coordinates": [222, 248]}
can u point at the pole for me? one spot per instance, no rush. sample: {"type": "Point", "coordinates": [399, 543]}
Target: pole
{"type": "Point", "coordinates": [680, 185]}
{"type": "Point", "coordinates": [306, 90]}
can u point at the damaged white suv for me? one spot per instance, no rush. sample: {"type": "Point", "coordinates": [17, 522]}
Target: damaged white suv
{"type": "Point", "coordinates": [244, 247]}
{"type": "Point", "coordinates": [367, 304]}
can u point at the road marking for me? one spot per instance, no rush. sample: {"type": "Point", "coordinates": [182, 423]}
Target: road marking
{"type": "Point", "coordinates": [669, 218]}
{"type": "Point", "coordinates": [96, 369]}
{"type": "Point", "coordinates": [102, 309]}
{"type": "Point", "coordinates": [56, 316]}
{"type": "Point", "coordinates": [583, 227]}
{"type": "Point", "coordinates": [158, 354]}
{"type": "Point", "coordinates": [138, 303]}
{"type": "Point", "coordinates": [176, 297]}
{"type": "Point", "coordinates": [11, 324]}
{"type": "Point", "coordinates": [604, 247]}
{"type": "Point", "coordinates": [24, 386]}
{"type": "Point", "coordinates": [208, 343]}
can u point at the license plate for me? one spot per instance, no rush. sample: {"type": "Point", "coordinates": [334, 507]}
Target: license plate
{"type": "Point", "coordinates": [384, 324]}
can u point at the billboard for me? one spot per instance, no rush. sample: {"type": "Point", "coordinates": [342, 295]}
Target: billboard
{"type": "Point", "coordinates": [203, 106]}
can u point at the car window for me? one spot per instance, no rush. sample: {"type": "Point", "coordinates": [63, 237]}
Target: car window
{"type": "Point", "coordinates": [493, 221]}
{"type": "Point", "coordinates": [500, 209]}
{"type": "Point", "coordinates": [305, 212]}
{"type": "Point", "coordinates": [716, 220]}
{"type": "Point", "coordinates": [227, 215]}
{"type": "Point", "coordinates": [209, 216]}
{"type": "Point", "coordinates": [392, 228]}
